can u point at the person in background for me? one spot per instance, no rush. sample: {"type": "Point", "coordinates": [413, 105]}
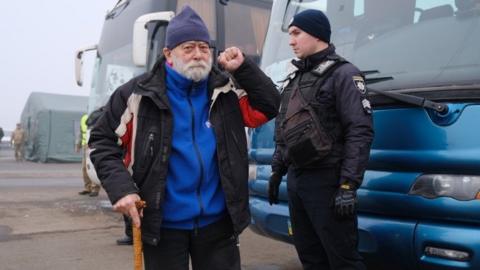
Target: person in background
{"type": "Point", "coordinates": [323, 135]}
{"type": "Point", "coordinates": [182, 126]}
{"type": "Point", "coordinates": [127, 240]}
{"type": "Point", "coordinates": [17, 140]}
{"type": "Point", "coordinates": [1, 134]}
{"type": "Point", "coordinates": [90, 121]}
{"type": "Point", "coordinates": [90, 188]}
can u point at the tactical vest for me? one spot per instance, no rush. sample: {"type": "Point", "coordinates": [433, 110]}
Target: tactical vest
{"type": "Point", "coordinates": [302, 125]}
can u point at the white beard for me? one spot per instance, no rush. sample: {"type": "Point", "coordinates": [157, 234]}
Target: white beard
{"type": "Point", "coordinates": [193, 70]}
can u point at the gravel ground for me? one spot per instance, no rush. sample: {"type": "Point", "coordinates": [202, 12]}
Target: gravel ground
{"type": "Point", "coordinates": [44, 224]}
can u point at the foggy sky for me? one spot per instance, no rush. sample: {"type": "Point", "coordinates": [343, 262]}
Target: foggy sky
{"type": "Point", "coordinates": [38, 40]}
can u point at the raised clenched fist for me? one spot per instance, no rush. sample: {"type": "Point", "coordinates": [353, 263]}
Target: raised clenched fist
{"type": "Point", "coordinates": [231, 59]}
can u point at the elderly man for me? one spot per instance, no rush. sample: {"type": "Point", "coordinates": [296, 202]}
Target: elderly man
{"type": "Point", "coordinates": [175, 137]}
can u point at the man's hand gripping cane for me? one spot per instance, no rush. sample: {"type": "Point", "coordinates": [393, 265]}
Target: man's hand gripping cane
{"type": "Point", "coordinates": [132, 206]}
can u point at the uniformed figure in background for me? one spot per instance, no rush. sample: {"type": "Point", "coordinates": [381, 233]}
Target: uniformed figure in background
{"type": "Point", "coordinates": [323, 134]}
{"type": "Point", "coordinates": [90, 188]}
{"type": "Point", "coordinates": [17, 140]}
{"type": "Point", "coordinates": [1, 134]}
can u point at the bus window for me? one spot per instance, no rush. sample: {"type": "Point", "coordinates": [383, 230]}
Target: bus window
{"type": "Point", "coordinates": [206, 10]}
{"type": "Point", "coordinates": [427, 10]}
{"type": "Point", "coordinates": [359, 8]}
{"type": "Point", "coordinates": [343, 14]}
{"type": "Point", "coordinates": [245, 27]}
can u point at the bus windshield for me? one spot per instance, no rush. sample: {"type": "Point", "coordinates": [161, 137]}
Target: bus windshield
{"type": "Point", "coordinates": [420, 43]}
{"type": "Point", "coordinates": [112, 69]}
{"type": "Point", "coordinates": [245, 26]}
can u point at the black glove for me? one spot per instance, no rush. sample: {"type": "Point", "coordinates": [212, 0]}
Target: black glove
{"type": "Point", "coordinates": [345, 201]}
{"type": "Point", "coordinates": [273, 185]}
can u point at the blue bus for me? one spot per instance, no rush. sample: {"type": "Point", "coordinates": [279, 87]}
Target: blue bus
{"type": "Point", "coordinates": [419, 204]}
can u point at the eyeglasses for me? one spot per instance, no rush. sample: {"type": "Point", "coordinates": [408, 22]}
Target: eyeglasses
{"type": "Point", "coordinates": [189, 47]}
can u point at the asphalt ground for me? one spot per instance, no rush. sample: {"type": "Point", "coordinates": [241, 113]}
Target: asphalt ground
{"type": "Point", "coordinates": [45, 224]}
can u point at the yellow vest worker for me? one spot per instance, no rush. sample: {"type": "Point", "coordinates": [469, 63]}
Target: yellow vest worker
{"type": "Point", "coordinates": [83, 130]}
{"type": "Point", "coordinates": [90, 187]}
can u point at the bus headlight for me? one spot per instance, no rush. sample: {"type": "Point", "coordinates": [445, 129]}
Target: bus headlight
{"type": "Point", "coordinates": [450, 254]}
{"type": "Point", "coordinates": [459, 187]}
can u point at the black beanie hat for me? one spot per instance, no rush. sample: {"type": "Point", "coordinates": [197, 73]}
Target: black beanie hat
{"type": "Point", "coordinates": [314, 22]}
{"type": "Point", "coordinates": [186, 26]}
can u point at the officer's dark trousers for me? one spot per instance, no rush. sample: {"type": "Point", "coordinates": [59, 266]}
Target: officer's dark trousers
{"type": "Point", "coordinates": [322, 241]}
{"type": "Point", "coordinates": [212, 247]}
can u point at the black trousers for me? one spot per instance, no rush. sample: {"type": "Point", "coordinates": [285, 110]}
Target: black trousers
{"type": "Point", "coordinates": [213, 247]}
{"type": "Point", "coordinates": [322, 240]}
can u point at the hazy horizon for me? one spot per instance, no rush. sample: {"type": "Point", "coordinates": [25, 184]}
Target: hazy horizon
{"type": "Point", "coordinates": [39, 40]}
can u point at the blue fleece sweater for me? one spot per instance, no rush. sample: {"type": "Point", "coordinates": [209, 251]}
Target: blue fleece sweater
{"type": "Point", "coordinates": [194, 197]}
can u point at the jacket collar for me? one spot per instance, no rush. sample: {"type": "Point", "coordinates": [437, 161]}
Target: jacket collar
{"type": "Point", "coordinates": [178, 83]}
{"type": "Point", "coordinates": [313, 60]}
{"type": "Point", "coordinates": [153, 83]}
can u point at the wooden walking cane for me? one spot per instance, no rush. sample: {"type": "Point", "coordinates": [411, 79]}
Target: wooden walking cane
{"type": "Point", "coordinates": [137, 241]}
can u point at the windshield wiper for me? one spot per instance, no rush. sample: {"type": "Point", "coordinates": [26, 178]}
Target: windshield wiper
{"type": "Point", "coordinates": [409, 99]}
{"type": "Point", "coordinates": [117, 9]}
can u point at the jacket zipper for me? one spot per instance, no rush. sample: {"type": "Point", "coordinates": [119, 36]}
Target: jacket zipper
{"type": "Point", "coordinates": [151, 139]}
{"type": "Point", "coordinates": [200, 160]}
{"type": "Point", "coordinates": [148, 149]}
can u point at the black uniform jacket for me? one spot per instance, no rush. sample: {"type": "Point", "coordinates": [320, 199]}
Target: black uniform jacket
{"type": "Point", "coordinates": [344, 111]}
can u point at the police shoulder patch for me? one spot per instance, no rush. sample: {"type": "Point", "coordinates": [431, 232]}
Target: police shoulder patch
{"type": "Point", "coordinates": [359, 84]}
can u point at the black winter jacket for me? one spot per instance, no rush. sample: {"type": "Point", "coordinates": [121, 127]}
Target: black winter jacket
{"type": "Point", "coordinates": [138, 119]}
{"type": "Point", "coordinates": [344, 111]}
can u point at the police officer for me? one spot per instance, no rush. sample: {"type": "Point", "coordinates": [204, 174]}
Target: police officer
{"type": "Point", "coordinates": [323, 134]}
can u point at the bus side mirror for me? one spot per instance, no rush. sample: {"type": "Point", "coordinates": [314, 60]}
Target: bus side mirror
{"type": "Point", "coordinates": [79, 63]}
{"type": "Point", "coordinates": [140, 34]}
